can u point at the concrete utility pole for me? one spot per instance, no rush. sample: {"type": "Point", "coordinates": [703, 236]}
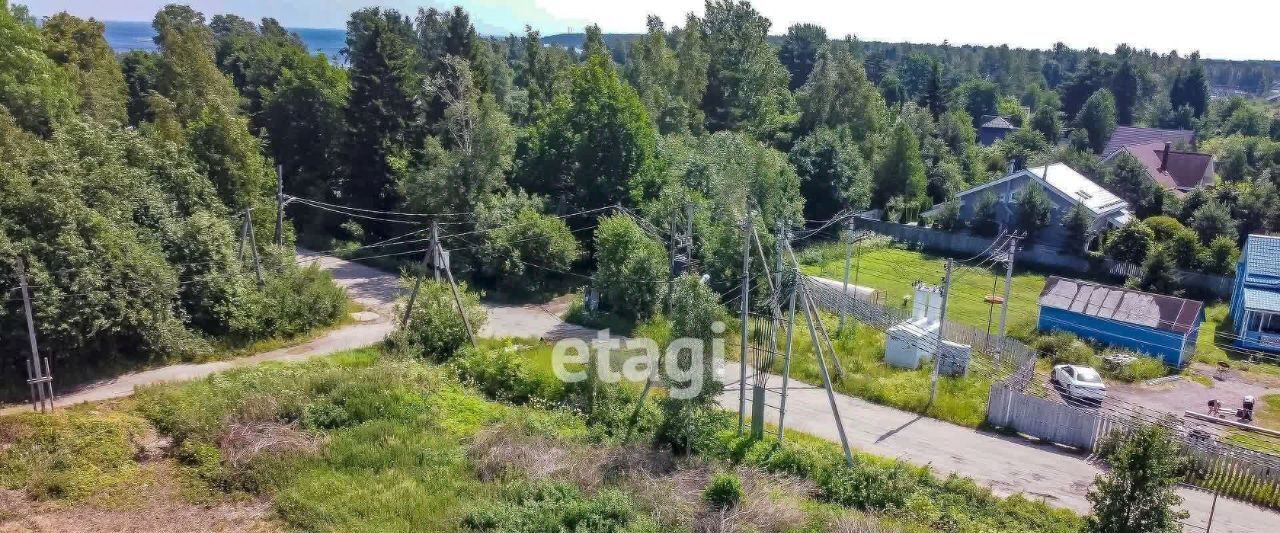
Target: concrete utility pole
{"type": "Point", "coordinates": [279, 205]}
{"type": "Point", "coordinates": [942, 324]}
{"type": "Point", "coordinates": [1008, 281]}
{"type": "Point", "coordinates": [786, 362]}
{"type": "Point", "coordinates": [848, 258]}
{"type": "Point", "coordinates": [812, 314]}
{"type": "Point", "coordinates": [671, 264]}
{"type": "Point", "coordinates": [40, 379]}
{"type": "Point", "coordinates": [746, 308]}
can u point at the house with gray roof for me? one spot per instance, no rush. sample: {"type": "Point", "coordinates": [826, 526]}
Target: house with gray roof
{"type": "Point", "coordinates": [1255, 302]}
{"type": "Point", "coordinates": [993, 128]}
{"type": "Point", "coordinates": [1065, 188]}
{"type": "Point", "coordinates": [1165, 327]}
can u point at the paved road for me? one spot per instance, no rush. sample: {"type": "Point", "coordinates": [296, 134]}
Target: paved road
{"type": "Point", "coordinates": [1008, 465]}
{"type": "Point", "coordinates": [376, 291]}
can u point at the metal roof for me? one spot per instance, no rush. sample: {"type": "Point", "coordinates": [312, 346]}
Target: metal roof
{"type": "Point", "coordinates": [1074, 185]}
{"type": "Point", "coordinates": [1262, 260]}
{"type": "Point", "coordinates": [1261, 300]}
{"type": "Point", "coordinates": [1156, 311]}
{"type": "Point", "coordinates": [997, 122]}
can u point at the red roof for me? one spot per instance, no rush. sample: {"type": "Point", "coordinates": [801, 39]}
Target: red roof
{"type": "Point", "coordinates": [1132, 135]}
{"type": "Point", "coordinates": [1184, 170]}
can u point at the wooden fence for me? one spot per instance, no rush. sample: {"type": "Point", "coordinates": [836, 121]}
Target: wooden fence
{"type": "Point", "coordinates": [1010, 408]}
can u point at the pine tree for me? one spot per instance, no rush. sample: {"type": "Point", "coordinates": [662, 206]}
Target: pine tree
{"type": "Point", "coordinates": [747, 85]}
{"type": "Point", "coordinates": [1124, 86]}
{"type": "Point", "coordinates": [901, 172]}
{"type": "Point", "coordinates": [1098, 119]}
{"type": "Point", "coordinates": [934, 98]}
{"type": "Point", "coordinates": [381, 111]}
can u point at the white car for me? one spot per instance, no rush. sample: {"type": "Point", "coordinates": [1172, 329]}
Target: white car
{"type": "Point", "coordinates": [1079, 382]}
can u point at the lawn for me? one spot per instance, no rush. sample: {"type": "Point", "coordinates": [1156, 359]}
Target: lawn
{"type": "Point", "coordinates": [895, 270]}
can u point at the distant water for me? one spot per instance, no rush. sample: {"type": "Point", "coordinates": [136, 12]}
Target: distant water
{"type": "Point", "coordinates": [124, 36]}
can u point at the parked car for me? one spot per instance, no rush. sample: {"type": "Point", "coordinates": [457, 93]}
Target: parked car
{"type": "Point", "coordinates": [1080, 382]}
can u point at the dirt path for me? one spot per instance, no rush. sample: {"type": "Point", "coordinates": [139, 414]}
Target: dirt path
{"type": "Point", "coordinates": [1008, 465]}
{"type": "Point", "coordinates": [372, 288]}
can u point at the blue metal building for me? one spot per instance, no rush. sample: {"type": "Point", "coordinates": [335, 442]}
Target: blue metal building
{"type": "Point", "coordinates": [1162, 326]}
{"type": "Point", "coordinates": [1255, 302]}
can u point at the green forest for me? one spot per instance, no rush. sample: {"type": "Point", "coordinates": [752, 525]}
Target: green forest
{"type": "Point", "coordinates": [128, 177]}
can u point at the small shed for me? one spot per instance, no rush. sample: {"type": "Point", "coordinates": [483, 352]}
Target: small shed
{"type": "Point", "coordinates": [1162, 326]}
{"type": "Point", "coordinates": [992, 128]}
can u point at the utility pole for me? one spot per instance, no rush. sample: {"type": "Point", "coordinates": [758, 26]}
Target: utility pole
{"type": "Point", "coordinates": [457, 300]}
{"type": "Point", "coordinates": [279, 205]}
{"type": "Point", "coordinates": [942, 324]}
{"type": "Point", "coordinates": [437, 259]}
{"type": "Point", "coordinates": [253, 243]}
{"type": "Point", "coordinates": [671, 264]}
{"type": "Point", "coordinates": [1008, 281]}
{"type": "Point", "coordinates": [786, 362]}
{"type": "Point", "coordinates": [1208, 527]}
{"type": "Point", "coordinates": [746, 308]}
{"type": "Point", "coordinates": [848, 257]}
{"type": "Point", "coordinates": [812, 315]}
{"type": "Point", "coordinates": [39, 380]}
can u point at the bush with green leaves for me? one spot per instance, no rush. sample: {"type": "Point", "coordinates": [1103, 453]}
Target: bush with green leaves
{"type": "Point", "coordinates": [436, 329]}
{"type": "Point", "coordinates": [630, 267]}
{"type": "Point", "coordinates": [1130, 243]}
{"type": "Point", "coordinates": [1064, 348]}
{"type": "Point", "coordinates": [1140, 492]}
{"type": "Point", "coordinates": [871, 487]}
{"type": "Point", "coordinates": [524, 251]}
{"type": "Point", "coordinates": [293, 302]}
{"type": "Point", "coordinates": [724, 490]}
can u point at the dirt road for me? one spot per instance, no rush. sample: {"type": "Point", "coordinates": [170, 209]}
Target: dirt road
{"type": "Point", "coordinates": [375, 290]}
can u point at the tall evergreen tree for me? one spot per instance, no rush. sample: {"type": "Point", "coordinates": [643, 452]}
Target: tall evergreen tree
{"type": "Point", "coordinates": [747, 85]}
{"type": "Point", "coordinates": [934, 98]}
{"type": "Point", "coordinates": [1191, 88]}
{"type": "Point", "coordinates": [900, 172]}
{"type": "Point", "coordinates": [1124, 86]}
{"type": "Point", "coordinates": [1098, 119]}
{"type": "Point", "coordinates": [381, 112]}
{"type": "Point", "coordinates": [799, 52]}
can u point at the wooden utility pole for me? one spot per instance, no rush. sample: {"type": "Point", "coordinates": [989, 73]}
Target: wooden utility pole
{"type": "Point", "coordinates": [253, 244]}
{"type": "Point", "coordinates": [279, 205]}
{"type": "Point", "coordinates": [39, 379]}
{"type": "Point", "coordinates": [456, 298]}
{"type": "Point", "coordinates": [428, 261]}
{"type": "Point", "coordinates": [942, 324]}
{"type": "Point", "coordinates": [746, 308]}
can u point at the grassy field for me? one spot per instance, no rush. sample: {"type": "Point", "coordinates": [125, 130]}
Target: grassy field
{"type": "Point", "coordinates": [895, 270]}
{"type": "Point", "coordinates": [363, 442]}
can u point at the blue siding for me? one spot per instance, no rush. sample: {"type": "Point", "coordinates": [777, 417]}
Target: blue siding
{"type": "Point", "coordinates": [1169, 346]}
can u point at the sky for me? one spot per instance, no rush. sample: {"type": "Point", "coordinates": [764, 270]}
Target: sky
{"type": "Point", "coordinates": [1225, 29]}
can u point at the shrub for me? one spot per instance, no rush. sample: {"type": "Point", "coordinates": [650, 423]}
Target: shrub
{"type": "Point", "coordinates": [1142, 368]}
{"type": "Point", "coordinates": [1064, 348]}
{"type": "Point", "coordinates": [435, 329]}
{"type": "Point", "coordinates": [629, 266]}
{"type": "Point", "coordinates": [67, 454]}
{"type": "Point", "coordinates": [554, 506]}
{"type": "Point", "coordinates": [870, 487]}
{"type": "Point", "coordinates": [294, 302]}
{"type": "Point", "coordinates": [500, 374]}
{"type": "Point", "coordinates": [1130, 243]}
{"type": "Point", "coordinates": [526, 253]}
{"type": "Point", "coordinates": [724, 490]}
